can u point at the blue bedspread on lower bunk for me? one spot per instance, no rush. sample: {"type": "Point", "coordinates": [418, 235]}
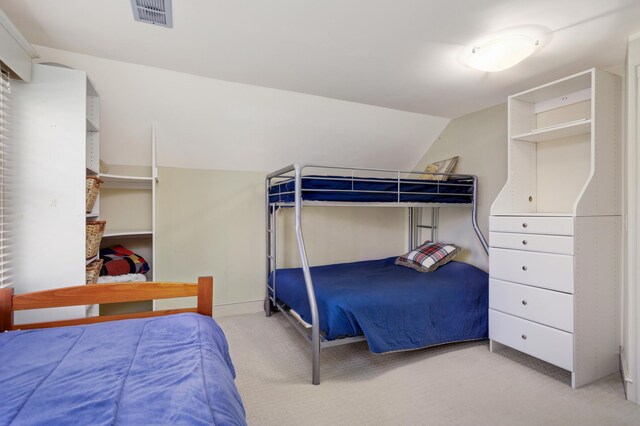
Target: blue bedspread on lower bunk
{"type": "Point", "coordinates": [395, 307]}
{"type": "Point", "coordinates": [165, 370]}
{"type": "Point", "coordinates": [342, 188]}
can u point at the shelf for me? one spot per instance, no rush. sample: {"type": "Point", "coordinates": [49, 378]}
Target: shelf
{"type": "Point", "coordinates": [558, 88]}
{"type": "Point", "coordinates": [91, 90]}
{"type": "Point", "coordinates": [91, 127]}
{"type": "Point", "coordinates": [130, 234]}
{"type": "Point", "coordinates": [88, 215]}
{"type": "Point", "coordinates": [92, 171]}
{"type": "Point", "coordinates": [88, 261]}
{"type": "Point", "coordinates": [126, 182]}
{"type": "Point", "coordinates": [565, 130]}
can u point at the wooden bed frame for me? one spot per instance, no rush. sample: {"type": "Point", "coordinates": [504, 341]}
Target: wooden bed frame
{"type": "Point", "coordinates": [103, 293]}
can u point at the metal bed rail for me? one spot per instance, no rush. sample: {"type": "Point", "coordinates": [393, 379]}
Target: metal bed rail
{"type": "Point", "coordinates": [397, 180]}
{"type": "Point", "coordinates": [414, 219]}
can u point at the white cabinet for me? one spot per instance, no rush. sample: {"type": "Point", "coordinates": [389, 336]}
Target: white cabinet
{"type": "Point", "coordinates": [55, 130]}
{"type": "Point", "coordinates": [552, 308]}
{"type": "Point", "coordinates": [555, 227]}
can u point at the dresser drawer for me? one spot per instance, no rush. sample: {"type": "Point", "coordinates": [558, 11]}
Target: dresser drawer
{"type": "Point", "coordinates": [546, 343]}
{"type": "Point", "coordinates": [551, 271]}
{"type": "Point", "coordinates": [546, 307]}
{"type": "Point", "coordinates": [532, 242]}
{"type": "Point", "coordinates": [549, 225]}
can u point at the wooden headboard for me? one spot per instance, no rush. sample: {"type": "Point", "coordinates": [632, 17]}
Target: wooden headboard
{"type": "Point", "coordinates": [103, 293]}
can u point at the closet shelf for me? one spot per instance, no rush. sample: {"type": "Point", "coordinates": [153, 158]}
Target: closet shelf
{"type": "Point", "coordinates": [126, 182]}
{"type": "Point", "coordinates": [573, 128]}
{"type": "Point", "coordinates": [131, 234]}
{"type": "Point", "coordinates": [91, 126]}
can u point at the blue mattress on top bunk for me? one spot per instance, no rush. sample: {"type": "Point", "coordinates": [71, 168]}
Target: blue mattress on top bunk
{"type": "Point", "coordinates": [396, 308]}
{"type": "Point", "coordinates": [166, 370]}
{"type": "Point", "coordinates": [346, 189]}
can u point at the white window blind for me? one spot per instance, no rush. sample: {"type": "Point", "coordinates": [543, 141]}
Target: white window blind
{"type": "Point", "coordinates": [5, 258]}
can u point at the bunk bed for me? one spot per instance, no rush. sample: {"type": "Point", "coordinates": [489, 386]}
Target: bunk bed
{"type": "Point", "coordinates": [156, 367]}
{"type": "Point", "coordinates": [339, 304]}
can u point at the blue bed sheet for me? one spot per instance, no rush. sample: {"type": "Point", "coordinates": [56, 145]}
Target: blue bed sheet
{"type": "Point", "coordinates": [319, 188]}
{"type": "Point", "coordinates": [166, 370]}
{"type": "Point", "coordinates": [395, 307]}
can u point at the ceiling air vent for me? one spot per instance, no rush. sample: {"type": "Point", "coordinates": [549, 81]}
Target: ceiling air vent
{"type": "Point", "coordinates": [156, 12]}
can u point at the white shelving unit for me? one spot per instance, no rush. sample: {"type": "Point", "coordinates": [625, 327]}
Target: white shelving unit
{"type": "Point", "coordinates": [555, 228]}
{"type": "Point", "coordinates": [581, 127]}
{"type": "Point", "coordinates": [57, 144]}
{"type": "Point", "coordinates": [93, 161]}
{"type": "Point", "coordinates": [128, 206]}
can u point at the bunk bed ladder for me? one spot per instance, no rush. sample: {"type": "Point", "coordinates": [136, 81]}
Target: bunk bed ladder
{"type": "Point", "coordinates": [417, 226]}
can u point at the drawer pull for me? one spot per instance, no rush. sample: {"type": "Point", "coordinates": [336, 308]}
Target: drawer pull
{"type": "Point", "coordinates": [524, 302]}
{"type": "Point", "coordinates": [524, 225]}
{"type": "Point", "coordinates": [524, 268]}
{"type": "Point", "coordinates": [524, 242]}
{"type": "Point", "coordinates": [524, 337]}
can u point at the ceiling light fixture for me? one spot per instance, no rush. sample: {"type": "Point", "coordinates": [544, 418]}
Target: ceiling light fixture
{"type": "Point", "coordinates": [501, 51]}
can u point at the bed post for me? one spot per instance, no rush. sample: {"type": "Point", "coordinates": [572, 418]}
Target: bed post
{"type": "Point", "coordinates": [205, 296]}
{"type": "Point", "coordinates": [6, 309]}
{"type": "Point", "coordinates": [267, 301]}
{"type": "Point", "coordinates": [315, 321]}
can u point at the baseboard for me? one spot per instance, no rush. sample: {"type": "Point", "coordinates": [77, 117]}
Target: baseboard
{"type": "Point", "coordinates": [219, 309]}
{"type": "Point", "coordinates": [625, 381]}
{"type": "Point", "coordinates": [237, 308]}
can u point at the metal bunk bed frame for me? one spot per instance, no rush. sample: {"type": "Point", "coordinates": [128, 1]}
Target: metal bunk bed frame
{"type": "Point", "coordinates": [272, 304]}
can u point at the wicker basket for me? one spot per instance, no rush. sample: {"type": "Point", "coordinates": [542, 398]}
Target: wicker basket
{"type": "Point", "coordinates": [93, 271]}
{"type": "Point", "coordinates": [93, 189]}
{"type": "Point", "coordinates": [95, 230]}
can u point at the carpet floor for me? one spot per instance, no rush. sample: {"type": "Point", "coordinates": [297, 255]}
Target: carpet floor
{"type": "Point", "coordinates": [457, 384]}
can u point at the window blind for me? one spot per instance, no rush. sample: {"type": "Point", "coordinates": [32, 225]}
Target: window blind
{"type": "Point", "coordinates": [5, 257]}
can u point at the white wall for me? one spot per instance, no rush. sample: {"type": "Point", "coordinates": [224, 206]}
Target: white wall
{"type": "Point", "coordinates": [212, 124]}
{"type": "Point", "coordinates": [480, 139]}
{"type": "Point", "coordinates": [216, 142]}
{"type": "Point", "coordinates": [212, 222]}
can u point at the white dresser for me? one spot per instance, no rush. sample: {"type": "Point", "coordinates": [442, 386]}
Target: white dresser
{"type": "Point", "coordinates": [555, 228]}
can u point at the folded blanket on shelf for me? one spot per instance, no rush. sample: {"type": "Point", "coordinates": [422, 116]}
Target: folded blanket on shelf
{"type": "Point", "coordinates": [126, 278]}
{"type": "Point", "coordinates": [120, 261]}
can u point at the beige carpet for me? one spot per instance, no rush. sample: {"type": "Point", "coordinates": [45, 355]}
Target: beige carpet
{"type": "Point", "coordinates": [459, 384]}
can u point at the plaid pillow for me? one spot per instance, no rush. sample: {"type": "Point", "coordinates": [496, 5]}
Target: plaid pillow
{"type": "Point", "coordinates": [428, 257]}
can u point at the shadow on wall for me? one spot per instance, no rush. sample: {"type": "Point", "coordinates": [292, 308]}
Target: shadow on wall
{"type": "Point", "coordinates": [480, 140]}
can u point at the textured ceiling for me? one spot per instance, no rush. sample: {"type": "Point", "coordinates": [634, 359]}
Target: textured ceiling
{"type": "Point", "coordinates": [400, 54]}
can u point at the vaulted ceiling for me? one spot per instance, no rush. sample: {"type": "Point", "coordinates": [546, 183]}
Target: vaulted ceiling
{"type": "Point", "coordinates": [401, 54]}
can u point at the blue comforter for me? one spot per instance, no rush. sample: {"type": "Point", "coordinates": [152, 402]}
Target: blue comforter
{"type": "Point", "coordinates": [395, 307]}
{"type": "Point", "coordinates": [165, 370]}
